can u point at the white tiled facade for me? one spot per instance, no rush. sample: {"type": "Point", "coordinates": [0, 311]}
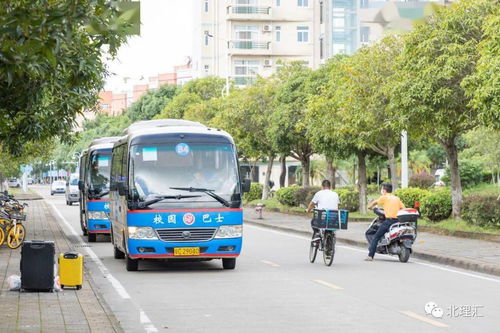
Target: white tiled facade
{"type": "Point", "coordinates": [243, 38]}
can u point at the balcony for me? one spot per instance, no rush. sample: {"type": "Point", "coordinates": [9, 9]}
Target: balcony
{"type": "Point", "coordinates": [248, 13]}
{"type": "Point", "coordinates": [249, 47]}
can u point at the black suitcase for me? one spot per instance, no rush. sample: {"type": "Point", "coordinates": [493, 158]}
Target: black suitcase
{"type": "Point", "coordinates": [37, 266]}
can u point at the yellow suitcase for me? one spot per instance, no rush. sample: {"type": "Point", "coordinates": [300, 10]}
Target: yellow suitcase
{"type": "Point", "coordinates": [71, 270]}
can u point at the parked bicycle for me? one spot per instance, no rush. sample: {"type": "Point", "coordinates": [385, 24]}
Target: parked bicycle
{"type": "Point", "coordinates": [12, 216]}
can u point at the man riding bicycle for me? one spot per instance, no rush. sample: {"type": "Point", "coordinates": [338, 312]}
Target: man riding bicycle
{"type": "Point", "coordinates": [325, 199]}
{"type": "Point", "coordinates": [391, 205]}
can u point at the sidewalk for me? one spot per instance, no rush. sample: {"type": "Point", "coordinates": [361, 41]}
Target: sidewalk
{"type": "Point", "coordinates": [65, 311]}
{"type": "Point", "coordinates": [472, 254]}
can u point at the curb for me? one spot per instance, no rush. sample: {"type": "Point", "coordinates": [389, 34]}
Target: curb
{"type": "Point", "coordinates": [458, 262]}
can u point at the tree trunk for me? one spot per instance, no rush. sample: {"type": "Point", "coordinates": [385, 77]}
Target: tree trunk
{"type": "Point", "coordinates": [392, 167]}
{"type": "Point", "coordinates": [362, 181]}
{"type": "Point", "coordinates": [283, 171]}
{"type": "Point", "coordinates": [456, 185]}
{"type": "Point", "coordinates": [330, 171]}
{"type": "Point", "coordinates": [306, 170]}
{"type": "Point", "coordinates": [267, 189]}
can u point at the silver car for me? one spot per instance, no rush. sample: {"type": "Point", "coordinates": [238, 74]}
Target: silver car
{"type": "Point", "coordinates": [72, 191]}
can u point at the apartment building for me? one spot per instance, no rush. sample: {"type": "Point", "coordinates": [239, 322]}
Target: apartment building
{"type": "Point", "coordinates": [241, 39]}
{"type": "Point", "coordinates": [346, 25]}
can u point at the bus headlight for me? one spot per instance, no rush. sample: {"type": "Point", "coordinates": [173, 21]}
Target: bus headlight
{"type": "Point", "coordinates": [97, 215]}
{"type": "Point", "coordinates": [141, 233]}
{"type": "Point", "coordinates": [229, 231]}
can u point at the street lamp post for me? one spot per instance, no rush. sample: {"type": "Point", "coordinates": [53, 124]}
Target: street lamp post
{"type": "Point", "coordinates": [228, 65]}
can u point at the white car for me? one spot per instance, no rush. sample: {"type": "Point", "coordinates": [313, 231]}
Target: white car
{"type": "Point", "coordinates": [58, 186]}
{"type": "Point", "coordinates": [72, 191]}
{"type": "Point", "coordinates": [14, 182]}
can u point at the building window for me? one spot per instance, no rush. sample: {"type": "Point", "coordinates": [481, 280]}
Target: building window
{"type": "Point", "coordinates": [321, 12]}
{"type": "Point", "coordinates": [321, 48]}
{"type": "Point", "coordinates": [246, 32]}
{"type": "Point", "coordinates": [364, 35]}
{"type": "Point", "coordinates": [206, 6]}
{"type": "Point", "coordinates": [206, 37]}
{"type": "Point", "coordinates": [105, 106]}
{"type": "Point", "coordinates": [278, 33]}
{"type": "Point", "coordinates": [245, 71]}
{"type": "Point", "coordinates": [364, 3]}
{"type": "Point", "coordinates": [246, 2]}
{"type": "Point", "coordinates": [206, 67]}
{"type": "Point", "coordinates": [278, 3]}
{"type": "Point", "coordinates": [303, 34]}
{"type": "Point", "coordinates": [303, 3]}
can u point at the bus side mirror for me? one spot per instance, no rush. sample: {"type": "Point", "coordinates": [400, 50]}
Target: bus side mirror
{"type": "Point", "coordinates": [80, 185]}
{"type": "Point", "coordinates": [245, 185]}
{"type": "Point", "coordinates": [122, 188]}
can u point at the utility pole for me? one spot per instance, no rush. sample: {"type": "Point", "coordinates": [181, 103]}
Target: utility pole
{"type": "Point", "coordinates": [404, 159]}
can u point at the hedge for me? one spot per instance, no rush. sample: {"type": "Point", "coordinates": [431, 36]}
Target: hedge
{"type": "Point", "coordinates": [255, 192]}
{"type": "Point", "coordinates": [348, 200]}
{"type": "Point", "coordinates": [304, 195]}
{"type": "Point", "coordinates": [437, 205]}
{"type": "Point", "coordinates": [286, 195]}
{"type": "Point", "coordinates": [422, 180]}
{"type": "Point", "coordinates": [411, 194]}
{"type": "Point", "coordinates": [481, 210]}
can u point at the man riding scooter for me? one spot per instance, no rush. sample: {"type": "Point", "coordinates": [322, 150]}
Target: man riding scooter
{"type": "Point", "coordinates": [391, 204]}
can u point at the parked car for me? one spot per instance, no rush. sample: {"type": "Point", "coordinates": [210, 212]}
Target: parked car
{"type": "Point", "coordinates": [57, 186]}
{"type": "Point", "coordinates": [14, 182]}
{"type": "Point", "coordinates": [72, 191]}
{"type": "Point", "coordinates": [30, 181]}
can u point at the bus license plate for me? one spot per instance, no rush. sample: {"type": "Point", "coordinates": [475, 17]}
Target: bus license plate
{"type": "Point", "coordinates": [186, 251]}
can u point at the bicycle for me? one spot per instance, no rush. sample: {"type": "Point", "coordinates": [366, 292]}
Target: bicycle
{"type": "Point", "coordinates": [11, 217]}
{"type": "Point", "coordinates": [325, 243]}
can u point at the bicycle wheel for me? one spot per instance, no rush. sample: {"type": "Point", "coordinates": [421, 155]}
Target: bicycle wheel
{"type": "Point", "coordinates": [329, 248]}
{"type": "Point", "coordinates": [313, 250]}
{"type": "Point", "coordinates": [2, 236]}
{"type": "Point", "coordinates": [16, 236]}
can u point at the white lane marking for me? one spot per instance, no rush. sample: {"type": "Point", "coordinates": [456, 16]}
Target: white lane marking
{"type": "Point", "coordinates": [425, 319]}
{"type": "Point", "coordinates": [415, 261]}
{"type": "Point", "coordinates": [270, 263]}
{"type": "Point", "coordinates": [328, 284]}
{"type": "Point", "coordinates": [119, 288]}
{"type": "Point", "coordinates": [146, 322]}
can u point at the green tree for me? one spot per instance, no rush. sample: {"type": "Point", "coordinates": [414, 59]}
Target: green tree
{"type": "Point", "coordinates": [52, 64]}
{"type": "Point", "coordinates": [364, 99]}
{"type": "Point", "coordinates": [193, 94]}
{"type": "Point", "coordinates": [427, 89]}
{"type": "Point", "coordinates": [288, 127]}
{"type": "Point", "coordinates": [316, 84]}
{"type": "Point", "coordinates": [246, 115]}
{"type": "Point", "coordinates": [483, 87]}
{"type": "Point", "coordinates": [152, 103]}
{"type": "Point", "coordinates": [482, 147]}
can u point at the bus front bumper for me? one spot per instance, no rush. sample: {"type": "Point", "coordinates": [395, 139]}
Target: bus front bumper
{"type": "Point", "coordinates": [98, 226]}
{"type": "Point", "coordinates": [158, 249]}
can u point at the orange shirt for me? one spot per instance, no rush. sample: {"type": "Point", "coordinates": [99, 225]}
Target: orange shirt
{"type": "Point", "coordinates": [391, 205]}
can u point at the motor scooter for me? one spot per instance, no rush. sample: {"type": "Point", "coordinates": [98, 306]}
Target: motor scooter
{"type": "Point", "coordinates": [401, 235]}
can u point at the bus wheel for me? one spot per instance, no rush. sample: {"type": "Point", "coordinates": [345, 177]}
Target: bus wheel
{"type": "Point", "coordinates": [92, 237]}
{"type": "Point", "coordinates": [132, 265]}
{"type": "Point", "coordinates": [117, 253]}
{"type": "Point", "coordinates": [229, 263]}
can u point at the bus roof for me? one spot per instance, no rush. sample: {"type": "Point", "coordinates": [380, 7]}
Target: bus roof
{"type": "Point", "coordinates": [106, 139]}
{"type": "Point", "coordinates": [153, 129]}
{"type": "Point", "coordinates": [160, 123]}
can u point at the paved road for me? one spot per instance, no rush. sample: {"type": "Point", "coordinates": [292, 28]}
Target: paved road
{"type": "Point", "coordinates": [275, 288]}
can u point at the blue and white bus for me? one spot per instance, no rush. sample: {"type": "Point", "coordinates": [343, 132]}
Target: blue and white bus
{"type": "Point", "coordinates": [176, 193]}
{"type": "Point", "coordinates": [95, 166]}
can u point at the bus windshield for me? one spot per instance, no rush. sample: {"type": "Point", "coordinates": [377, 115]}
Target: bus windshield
{"type": "Point", "coordinates": [155, 169]}
{"type": "Point", "coordinates": [100, 164]}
